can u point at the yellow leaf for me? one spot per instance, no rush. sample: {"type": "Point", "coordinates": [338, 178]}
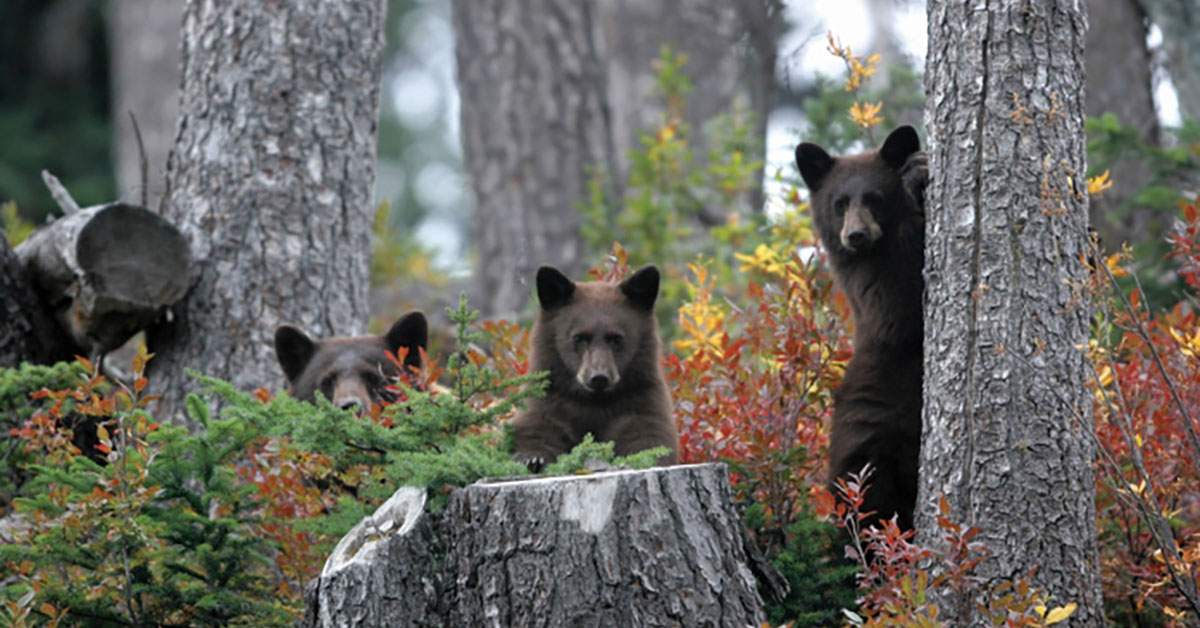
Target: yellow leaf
{"type": "Point", "coordinates": [1098, 184]}
{"type": "Point", "coordinates": [866, 115]}
{"type": "Point", "coordinates": [102, 434]}
{"type": "Point", "coordinates": [1061, 613]}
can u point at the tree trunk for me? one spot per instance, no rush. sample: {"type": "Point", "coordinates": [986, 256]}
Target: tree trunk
{"type": "Point", "coordinates": [1007, 418]}
{"type": "Point", "coordinates": [27, 333]}
{"type": "Point", "coordinates": [144, 36]}
{"type": "Point", "coordinates": [626, 548]}
{"type": "Point", "coordinates": [1119, 81]}
{"type": "Point", "coordinates": [535, 118]}
{"type": "Point", "coordinates": [552, 90]}
{"type": "Point", "coordinates": [1180, 24]}
{"type": "Point", "coordinates": [106, 272]}
{"type": "Point", "coordinates": [270, 179]}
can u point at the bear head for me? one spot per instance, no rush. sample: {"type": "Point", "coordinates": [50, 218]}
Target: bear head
{"type": "Point", "coordinates": [596, 338]}
{"type": "Point", "coordinates": [353, 372]}
{"type": "Point", "coordinates": [858, 200]}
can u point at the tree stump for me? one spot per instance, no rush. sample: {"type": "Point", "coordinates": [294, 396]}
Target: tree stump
{"type": "Point", "coordinates": [106, 272]}
{"type": "Point", "coordinates": [661, 547]}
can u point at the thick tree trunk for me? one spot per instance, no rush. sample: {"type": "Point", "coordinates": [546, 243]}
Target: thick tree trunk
{"type": "Point", "coordinates": [1119, 81]}
{"type": "Point", "coordinates": [535, 118]}
{"type": "Point", "coordinates": [1180, 24]}
{"type": "Point", "coordinates": [144, 39]}
{"type": "Point", "coordinates": [627, 548]}
{"type": "Point", "coordinates": [271, 179]}
{"type": "Point", "coordinates": [1007, 418]}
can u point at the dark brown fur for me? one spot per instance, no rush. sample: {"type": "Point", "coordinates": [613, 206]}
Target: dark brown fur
{"type": "Point", "coordinates": [877, 409]}
{"type": "Point", "coordinates": [351, 372]}
{"type": "Point", "coordinates": [599, 341]}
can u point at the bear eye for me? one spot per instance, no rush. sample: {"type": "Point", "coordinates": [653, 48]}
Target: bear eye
{"type": "Point", "coordinates": [327, 385]}
{"type": "Point", "coordinates": [874, 199]}
{"type": "Point", "coordinates": [614, 340]}
{"type": "Point", "coordinates": [840, 204]}
{"type": "Point", "coordinates": [581, 339]}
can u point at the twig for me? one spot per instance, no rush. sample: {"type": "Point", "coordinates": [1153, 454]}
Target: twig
{"type": "Point", "coordinates": [60, 193]}
{"type": "Point", "coordinates": [143, 163]}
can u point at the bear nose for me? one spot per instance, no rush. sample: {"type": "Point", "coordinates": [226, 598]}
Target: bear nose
{"type": "Point", "coordinates": [598, 382]}
{"type": "Point", "coordinates": [857, 238]}
{"type": "Point", "coordinates": [350, 404]}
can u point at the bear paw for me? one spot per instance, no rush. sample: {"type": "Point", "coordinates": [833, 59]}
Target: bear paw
{"type": "Point", "coordinates": [532, 462]}
{"type": "Point", "coordinates": [915, 177]}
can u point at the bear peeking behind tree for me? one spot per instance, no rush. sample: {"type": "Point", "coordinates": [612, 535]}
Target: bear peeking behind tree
{"type": "Point", "coordinates": [870, 216]}
{"type": "Point", "coordinates": [353, 372]}
{"type": "Point", "coordinates": [599, 341]}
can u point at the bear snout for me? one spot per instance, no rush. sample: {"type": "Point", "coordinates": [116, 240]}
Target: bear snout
{"type": "Point", "coordinates": [351, 394]}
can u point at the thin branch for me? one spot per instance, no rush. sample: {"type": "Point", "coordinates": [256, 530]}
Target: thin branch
{"type": "Point", "coordinates": [143, 163]}
{"type": "Point", "coordinates": [60, 193]}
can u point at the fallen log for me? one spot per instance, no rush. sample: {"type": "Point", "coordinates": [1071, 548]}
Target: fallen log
{"type": "Point", "coordinates": [104, 272]}
{"type": "Point", "coordinates": [661, 547]}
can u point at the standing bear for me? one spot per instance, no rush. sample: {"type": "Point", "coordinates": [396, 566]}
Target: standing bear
{"type": "Point", "coordinates": [599, 341]}
{"type": "Point", "coordinates": [869, 213]}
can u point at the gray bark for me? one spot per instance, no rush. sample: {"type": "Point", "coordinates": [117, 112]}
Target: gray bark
{"type": "Point", "coordinates": [1007, 417]}
{"type": "Point", "coordinates": [1180, 24]}
{"type": "Point", "coordinates": [629, 548]}
{"type": "Point", "coordinates": [270, 179]}
{"type": "Point", "coordinates": [535, 118]}
{"type": "Point", "coordinates": [1120, 81]}
{"type": "Point", "coordinates": [551, 90]}
{"type": "Point", "coordinates": [106, 272]}
{"type": "Point", "coordinates": [144, 40]}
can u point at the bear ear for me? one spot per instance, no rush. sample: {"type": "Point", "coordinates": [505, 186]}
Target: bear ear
{"type": "Point", "coordinates": [899, 145]}
{"type": "Point", "coordinates": [642, 288]}
{"type": "Point", "coordinates": [554, 288]}
{"type": "Point", "coordinates": [814, 164]}
{"type": "Point", "coordinates": [294, 349]}
{"type": "Point", "coordinates": [411, 332]}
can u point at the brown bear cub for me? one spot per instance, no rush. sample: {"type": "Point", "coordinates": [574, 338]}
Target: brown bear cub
{"type": "Point", "coordinates": [353, 373]}
{"type": "Point", "coordinates": [599, 341]}
{"type": "Point", "coordinates": [869, 213]}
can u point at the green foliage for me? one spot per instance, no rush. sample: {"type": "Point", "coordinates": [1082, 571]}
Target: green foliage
{"type": "Point", "coordinates": [590, 455]}
{"type": "Point", "coordinates": [16, 407]}
{"type": "Point", "coordinates": [161, 534]}
{"type": "Point", "coordinates": [821, 585]}
{"type": "Point", "coordinates": [825, 113]}
{"type": "Point", "coordinates": [1171, 164]}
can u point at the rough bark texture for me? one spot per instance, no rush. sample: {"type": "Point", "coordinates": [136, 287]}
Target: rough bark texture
{"type": "Point", "coordinates": [552, 89]}
{"type": "Point", "coordinates": [144, 36]}
{"type": "Point", "coordinates": [105, 272]}
{"type": "Point", "coordinates": [1119, 81]}
{"type": "Point", "coordinates": [1180, 24]}
{"type": "Point", "coordinates": [654, 548]}
{"type": "Point", "coordinates": [27, 333]}
{"type": "Point", "coordinates": [1006, 412]}
{"type": "Point", "coordinates": [534, 119]}
{"type": "Point", "coordinates": [271, 179]}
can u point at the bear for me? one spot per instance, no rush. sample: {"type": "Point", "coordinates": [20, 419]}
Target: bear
{"type": "Point", "coordinates": [869, 214]}
{"type": "Point", "coordinates": [599, 342]}
{"type": "Point", "coordinates": [352, 372]}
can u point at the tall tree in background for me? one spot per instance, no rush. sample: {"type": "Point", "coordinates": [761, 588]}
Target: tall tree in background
{"type": "Point", "coordinates": [1120, 81]}
{"type": "Point", "coordinates": [144, 44]}
{"type": "Point", "coordinates": [1180, 24]}
{"type": "Point", "coordinates": [1007, 418]}
{"type": "Point", "coordinates": [535, 118]}
{"type": "Point", "coordinates": [271, 179]}
{"type": "Point", "coordinates": [553, 90]}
